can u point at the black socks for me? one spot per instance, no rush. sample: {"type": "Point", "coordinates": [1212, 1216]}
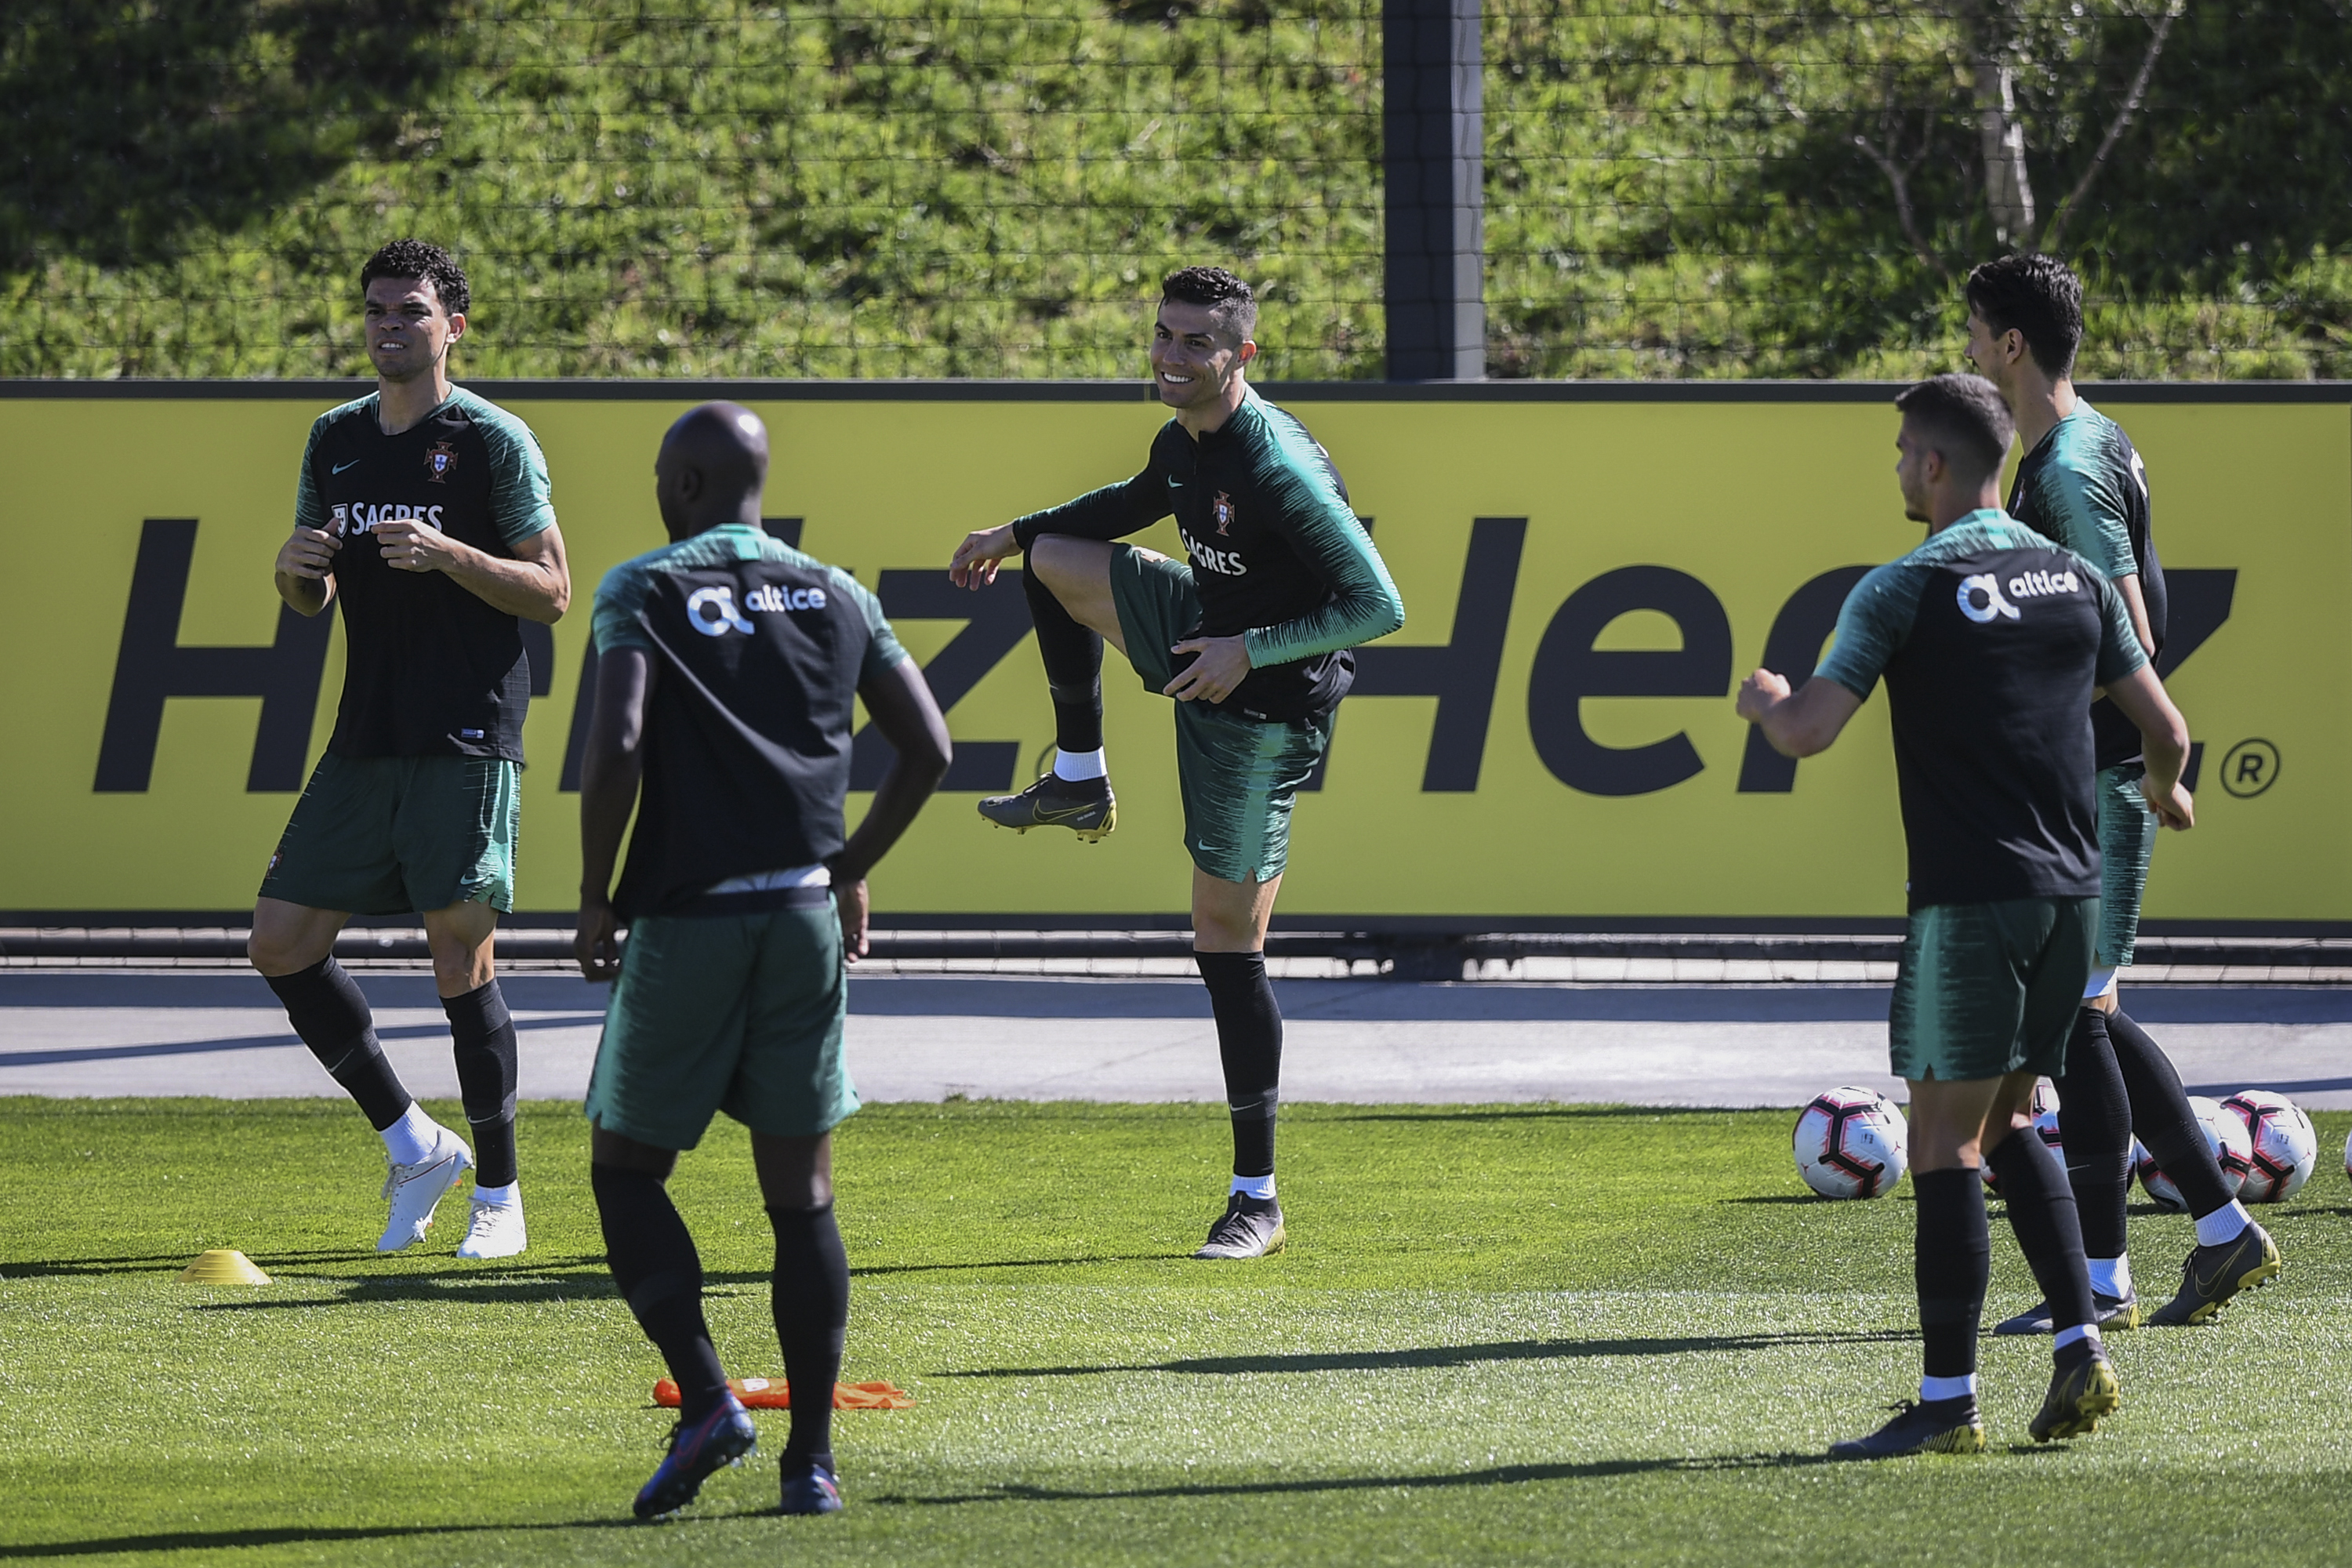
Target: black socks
{"type": "Point", "coordinates": [2161, 1113]}
{"type": "Point", "coordinates": [2042, 1211]}
{"type": "Point", "coordinates": [1249, 1040]}
{"type": "Point", "coordinates": [654, 1262]}
{"type": "Point", "coordinates": [326, 1008]}
{"type": "Point", "coordinates": [811, 1307]}
{"type": "Point", "coordinates": [483, 1038]}
{"type": "Point", "coordinates": [1952, 1262]}
{"type": "Point", "coordinates": [2095, 1124]}
{"type": "Point", "coordinates": [1073, 657]}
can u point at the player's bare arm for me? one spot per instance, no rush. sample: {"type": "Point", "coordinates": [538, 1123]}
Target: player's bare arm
{"type": "Point", "coordinates": [2164, 741]}
{"type": "Point", "coordinates": [610, 771]}
{"type": "Point", "coordinates": [1801, 723]}
{"type": "Point", "coordinates": [536, 585]}
{"type": "Point", "coordinates": [903, 709]}
{"type": "Point", "coordinates": [305, 572]}
{"type": "Point", "coordinates": [978, 557]}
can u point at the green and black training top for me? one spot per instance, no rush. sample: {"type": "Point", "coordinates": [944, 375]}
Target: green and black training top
{"type": "Point", "coordinates": [1277, 555]}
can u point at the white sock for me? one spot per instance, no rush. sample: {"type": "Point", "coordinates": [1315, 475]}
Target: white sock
{"type": "Point", "coordinates": [2079, 1332]}
{"type": "Point", "coordinates": [2111, 1276]}
{"type": "Point", "coordinates": [411, 1139]}
{"type": "Point", "coordinates": [2225, 1224]}
{"type": "Point", "coordinates": [1080, 766]}
{"type": "Point", "coordinates": [509, 1193]}
{"type": "Point", "coordinates": [1946, 1387]}
{"type": "Point", "coordinates": [1254, 1186]}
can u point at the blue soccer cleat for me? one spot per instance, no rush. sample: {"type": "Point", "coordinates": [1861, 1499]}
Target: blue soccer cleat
{"type": "Point", "coordinates": [696, 1449]}
{"type": "Point", "coordinates": [810, 1487]}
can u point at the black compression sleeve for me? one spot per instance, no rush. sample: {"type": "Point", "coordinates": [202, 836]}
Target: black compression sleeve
{"type": "Point", "coordinates": [1073, 657]}
{"type": "Point", "coordinates": [324, 1004]}
{"type": "Point", "coordinates": [1951, 1260]}
{"type": "Point", "coordinates": [1111, 512]}
{"type": "Point", "coordinates": [2095, 1124]}
{"type": "Point", "coordinates": [2160, 1115]}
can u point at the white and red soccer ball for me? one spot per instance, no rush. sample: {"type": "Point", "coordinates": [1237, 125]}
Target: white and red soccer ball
{"type": "Point", "coordinates": [2283, 1145]}
{"type": "Point", "coordinates": [1851, 1143]}
{"type": "Point", "coordinates": [2224, 1134]}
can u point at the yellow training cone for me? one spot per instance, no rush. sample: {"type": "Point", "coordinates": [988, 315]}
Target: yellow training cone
{"type": "Point", "coordinates": [223, 1266]}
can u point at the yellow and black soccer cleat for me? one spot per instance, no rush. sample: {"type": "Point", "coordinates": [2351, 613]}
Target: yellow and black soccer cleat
{"type": "Point", "coordinates": [2212, 1275]}
{"type": "Point", "coordinates": [2082, 1389]}
{"type": "Point", "coordinates": [1086, 808]}
{"type": "Point", "coordinates": [1932, 1427]}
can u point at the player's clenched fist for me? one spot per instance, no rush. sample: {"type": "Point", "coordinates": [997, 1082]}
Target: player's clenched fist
{"type": "Point", "coordinates": [410, 545]}
{"type": "Point", "coordinates": [1760, 693]}
{"type": "Point", "coordinates": [979, 556]}
{"type": "Point", "coordinates": [310, 552]}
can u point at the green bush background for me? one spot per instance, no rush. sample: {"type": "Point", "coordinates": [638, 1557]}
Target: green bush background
{"type": "Point", "coordinates": [991, 187]}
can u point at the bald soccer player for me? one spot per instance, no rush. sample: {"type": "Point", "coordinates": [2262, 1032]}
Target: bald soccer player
{"type": "Point", "coordinates": [729, 664]}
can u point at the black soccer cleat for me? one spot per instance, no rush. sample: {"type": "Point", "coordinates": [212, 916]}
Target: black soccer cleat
{"type": "Point", "coordinates": [1250, 1227]}
{"type": "Point", "coordinates": [1930, 1426]}
{"type": "Point", "coordinates": [2082, 1389]}
{"type": "Point", "coordinates": [2110, 1312]}
{"type": "Point", "coordinates": [2211, 1276]}
{"type": "Point", "coordinates": [1086, 807]}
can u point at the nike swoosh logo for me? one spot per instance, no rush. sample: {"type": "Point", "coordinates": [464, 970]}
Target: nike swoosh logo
{"type": "Point", "coordinates": [339, 467]}
{"type": "Point", "coordinates": [1045, 815]}
{"type": "Point", "coordinates": [1175, 484]}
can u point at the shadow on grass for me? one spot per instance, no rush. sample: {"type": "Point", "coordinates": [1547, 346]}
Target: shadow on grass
{"type": "Point", "coordinates": [1776, 1198]}
{"type": "Point", "coordinates": [1497, 1476]}
{"type": "Point", "coordinates": [1454, 1355]}
{"type": "Point", "coordinates": [287, 1535]}
{"type": "Point", "coordinates": [1018, 1263]}
{"type": "Point", "coordinates": [49, 1267]}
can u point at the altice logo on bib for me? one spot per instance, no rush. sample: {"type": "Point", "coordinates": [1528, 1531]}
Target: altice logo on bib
{"type": "Point", "coordinates": [713, 613]}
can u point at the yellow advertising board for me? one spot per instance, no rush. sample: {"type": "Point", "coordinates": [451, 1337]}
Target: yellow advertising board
{"type": "Point", "coordinates": [1549, 740]}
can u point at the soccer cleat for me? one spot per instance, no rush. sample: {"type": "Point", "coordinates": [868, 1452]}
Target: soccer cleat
{"type": "Point", "coordinates": [696, 1448]}
{"type": "Point", "coordinates": [1086, 808]}
{"type": "Point", "coordinates": [2212, 1275]}
{"type": "Point", "coordinates": [415, 1191]}
{"type": "Point", "coordinates": [2082, 1389]}
{"type": "Point", "coordinates": [2111, 1312]}
{"type": "Point", "coordinates": [495, 1231]}
{"type": "Point", "coordinates": [810, 1487]}
{"type": "Point", "coordinates": [1934, 1426]}
{"type": "Point", "coordinates": [1250, 1227]}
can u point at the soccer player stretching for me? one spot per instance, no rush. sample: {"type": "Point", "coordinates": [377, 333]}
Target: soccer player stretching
{"type": "Point", "coordinates": [2083, 485]}
{"type": "Point", "coordinates": [729, 663]}
{"type": "Point", "coordinates": [1252, 641]}
{"type": "Point", "coordinates": [422, 510]}
{"type": "Point", "coordinates": [1991, 641]}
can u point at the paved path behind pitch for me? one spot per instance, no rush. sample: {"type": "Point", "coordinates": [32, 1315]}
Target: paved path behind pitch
{"type": "Point", "coordinates": [93, 1032]}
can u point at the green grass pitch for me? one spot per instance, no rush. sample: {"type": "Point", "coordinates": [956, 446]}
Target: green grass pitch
{"type": "Point", "coordinates": [1512, 1333]}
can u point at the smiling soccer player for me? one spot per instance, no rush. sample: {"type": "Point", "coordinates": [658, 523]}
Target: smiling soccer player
{"type": "Point", "coordinates": [422, 510]}
{"type": "Point", "coordinates": [1252, 641]}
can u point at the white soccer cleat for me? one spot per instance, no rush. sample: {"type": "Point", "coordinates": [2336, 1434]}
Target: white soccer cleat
{"type": "Point", "coordinates": [415, 1191]}
{"type": "Point", "coordinates": [495, 1231]}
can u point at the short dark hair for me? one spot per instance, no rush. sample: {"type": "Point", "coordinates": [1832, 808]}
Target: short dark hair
{"type": "Point", "coordinates": [1963, 417]}
{"type": "Point", "coordinates": [415, 258]}
{"type": "Point", "coordinates": [1231, 304]}
{"type": "Point", "coordinates": [2036, 295]}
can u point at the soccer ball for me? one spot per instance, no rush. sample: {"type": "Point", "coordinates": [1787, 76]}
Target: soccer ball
{"type": "Point", "coordinates": [2285, 1144]}
{"type": "Point", "coordinates": [1851, 1143]}
{"type": "Point", "coordinates": [2045, 1106]}
{"type": "Point", "coordinates": [2224, 1133]}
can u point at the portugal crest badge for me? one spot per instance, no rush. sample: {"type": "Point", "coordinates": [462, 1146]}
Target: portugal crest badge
{"type": "Point", "coordinates": [439, 462]}
{"type": "Point", "coordinates": [339, 520]}
{"type": "Point", "coordinates": [1223, 510]}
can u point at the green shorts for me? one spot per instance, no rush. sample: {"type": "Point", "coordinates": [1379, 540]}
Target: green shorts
{"type": "Point", "coordinates": [1238, 776]}
{"type": "Point", "coordinates": [396, 835]}
{"type": "Point", "coordinates": [736, 1013]}
{"type": "Point", "coordinates": [1986, 990]}
{"type": "Point", "coordinates": [2126, 840]}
